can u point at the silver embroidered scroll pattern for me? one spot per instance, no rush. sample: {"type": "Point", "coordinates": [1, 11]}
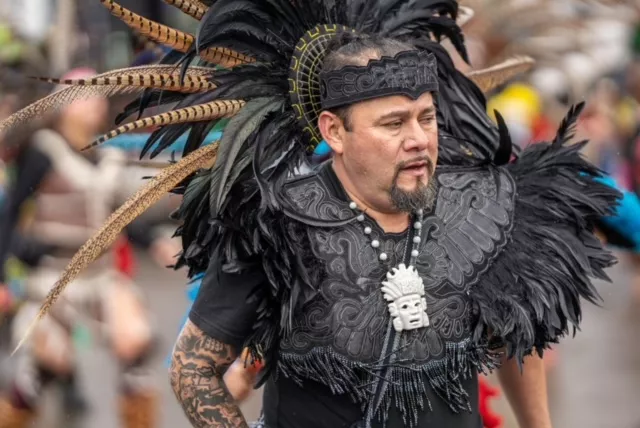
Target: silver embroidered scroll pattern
{"type": "Point", "coordinates": [466, 230]}
{"type": "Point", "coordinates": [314, 200]}
{"type": "Point", "coordinates": [349, 314]}
{"type": "Point", "coordinates": [470, 223]}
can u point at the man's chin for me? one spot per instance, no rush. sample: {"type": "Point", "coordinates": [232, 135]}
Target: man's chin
{"type": "Point", "coordinates": [411, 184]}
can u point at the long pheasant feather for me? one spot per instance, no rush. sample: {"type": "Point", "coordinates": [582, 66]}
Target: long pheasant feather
{"type": "Point", "coordinates": [151, 193]}
{"type": "Point", "coordinates": [194, 9]}
{"type": "Point", "coordinates": [175, 39]}
{"type": "Point", "coordinates": [172, 82]}
{"type": "Point", "coordinates": [199, 113]}
{"type": "Point", "coordinates": [53, 102]}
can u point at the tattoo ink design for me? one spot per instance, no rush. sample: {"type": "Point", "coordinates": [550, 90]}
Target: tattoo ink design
{"type": "Point", "coordinates": [197, 367]}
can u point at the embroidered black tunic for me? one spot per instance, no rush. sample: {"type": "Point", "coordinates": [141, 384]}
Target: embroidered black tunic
{"type": "Point", "coordinates": [506, 254]}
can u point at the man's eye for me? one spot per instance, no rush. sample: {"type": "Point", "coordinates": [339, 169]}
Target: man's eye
{"type": "Point", "coordinates": [394, 125]}
{"type": "Point", "coordinates": [427, 120]}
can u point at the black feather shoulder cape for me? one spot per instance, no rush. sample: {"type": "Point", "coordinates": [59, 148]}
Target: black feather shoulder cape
{"type": "Point", "coordinates": [530, 294]}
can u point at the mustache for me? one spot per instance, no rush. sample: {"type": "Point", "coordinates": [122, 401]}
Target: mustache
{"type": "Point", "coordinates": [430, 166]}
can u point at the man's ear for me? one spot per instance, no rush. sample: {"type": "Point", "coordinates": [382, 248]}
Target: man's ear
{"type": "Point", "coordinates": [332, 130]}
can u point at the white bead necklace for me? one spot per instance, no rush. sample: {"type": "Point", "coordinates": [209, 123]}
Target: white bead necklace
{"type": "Point", "coordinates": [417, 226]}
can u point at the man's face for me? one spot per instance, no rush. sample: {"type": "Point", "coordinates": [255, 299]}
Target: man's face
{"type": "Point", "coordinates": [391, 148]}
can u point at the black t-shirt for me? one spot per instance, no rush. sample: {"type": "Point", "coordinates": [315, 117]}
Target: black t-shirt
{"type": "Point", "coordinates": [225, 309]}
{"type": "Point", "coordinates": [226, 305]}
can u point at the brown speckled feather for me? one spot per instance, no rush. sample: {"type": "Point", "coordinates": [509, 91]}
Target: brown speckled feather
{"type": "Point", "coordinates": [172, 82]}
{"type": "Point", "coordinates": [151, 193]}
{"type": "Point", "coordinates": [199, 113]}
{"type": "Point", "coordinates": [53, 102]}
{"type": "Point", "coordinates": [175, 39]}
{"type": "Point", "coordinates": [488, 79]}
{"type": "Point", "coordinates": [193, 8]}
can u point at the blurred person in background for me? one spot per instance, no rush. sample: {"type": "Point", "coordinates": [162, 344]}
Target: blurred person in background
{"type": "Point", "coordinates": [72, 194]}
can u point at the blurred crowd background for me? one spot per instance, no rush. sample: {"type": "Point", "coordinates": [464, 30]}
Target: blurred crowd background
{"type": "Point", "coordinates": [584, 51]}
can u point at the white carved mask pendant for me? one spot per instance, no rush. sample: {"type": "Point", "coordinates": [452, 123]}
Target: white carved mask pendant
{"type": "Point", "coordinates": [404, 290]}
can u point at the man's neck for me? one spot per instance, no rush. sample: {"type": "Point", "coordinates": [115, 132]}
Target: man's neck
{"type": "Point", "coordinates": [390, 220]}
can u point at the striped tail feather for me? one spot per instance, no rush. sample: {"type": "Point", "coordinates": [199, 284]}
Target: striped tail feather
{"type": "Point", "coordinates": [225, 57]}
{"type": "Point", "coordinates": [175, 39]}
{"type": "Point", "coordinates": [173, 82]}
{"type": "Point", "coordinates": [193, 8]}
{"type": "Point", "coordinates": [57, 100]}
{"type": "Point", "coordinates": [199, 113]}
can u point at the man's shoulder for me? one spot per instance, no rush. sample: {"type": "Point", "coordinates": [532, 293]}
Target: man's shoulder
{"type": "Point", "coordinates": [316, 194]}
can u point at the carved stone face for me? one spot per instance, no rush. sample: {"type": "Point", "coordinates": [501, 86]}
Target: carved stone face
{"type": "Point", "coordinates": [411, 312]}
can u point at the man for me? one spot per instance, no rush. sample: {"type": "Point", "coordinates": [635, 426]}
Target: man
{"type": "Point", "coordinates": [71, 194]}
{"type": "Point", "coordinates": [375, 287]}
{"type": "Point", "coordinates": [346, 361]}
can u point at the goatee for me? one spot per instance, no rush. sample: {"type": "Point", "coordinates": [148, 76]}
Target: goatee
{"type": "Point", "coordinates": [422, 197]}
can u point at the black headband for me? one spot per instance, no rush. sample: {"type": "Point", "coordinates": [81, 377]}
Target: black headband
{"type": "Point", "coordinates": [410, 73]}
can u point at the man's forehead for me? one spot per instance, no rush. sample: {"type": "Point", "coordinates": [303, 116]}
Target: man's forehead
{"type": "Point", "coordinates": [402, 102]}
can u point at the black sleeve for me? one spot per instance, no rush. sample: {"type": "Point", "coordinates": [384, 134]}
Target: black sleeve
{"type": "Point", "coordinates": [226, 305]}
{"type": "Point", "coordinates": [32, 165]}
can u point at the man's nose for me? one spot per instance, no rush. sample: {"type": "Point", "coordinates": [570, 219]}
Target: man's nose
{"type": "Point", "coordinates": [417, 139]}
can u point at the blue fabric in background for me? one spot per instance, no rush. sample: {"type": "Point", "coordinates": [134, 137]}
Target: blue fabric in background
{"type": "Point", "coordinates": [135, 142]}
{"type": "Point", "coordinates": [626, 221]}
{"type": "Point", "coordinates": [322, 149]}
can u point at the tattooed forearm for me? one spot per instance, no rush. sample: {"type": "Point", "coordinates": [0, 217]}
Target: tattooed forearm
{"type": "Point", "coordinates": [196, 378]}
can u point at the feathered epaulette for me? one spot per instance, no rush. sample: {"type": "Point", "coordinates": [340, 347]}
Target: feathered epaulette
{"type": "Point", "coordinates": [530, 296]}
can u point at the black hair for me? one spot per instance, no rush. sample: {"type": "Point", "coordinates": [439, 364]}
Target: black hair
{"type": "Point", "coordinates": [357, 49]}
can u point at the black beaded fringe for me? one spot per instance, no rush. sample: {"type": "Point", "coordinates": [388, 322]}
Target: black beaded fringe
{"type": "Point", "coordinates": [408, 385]}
